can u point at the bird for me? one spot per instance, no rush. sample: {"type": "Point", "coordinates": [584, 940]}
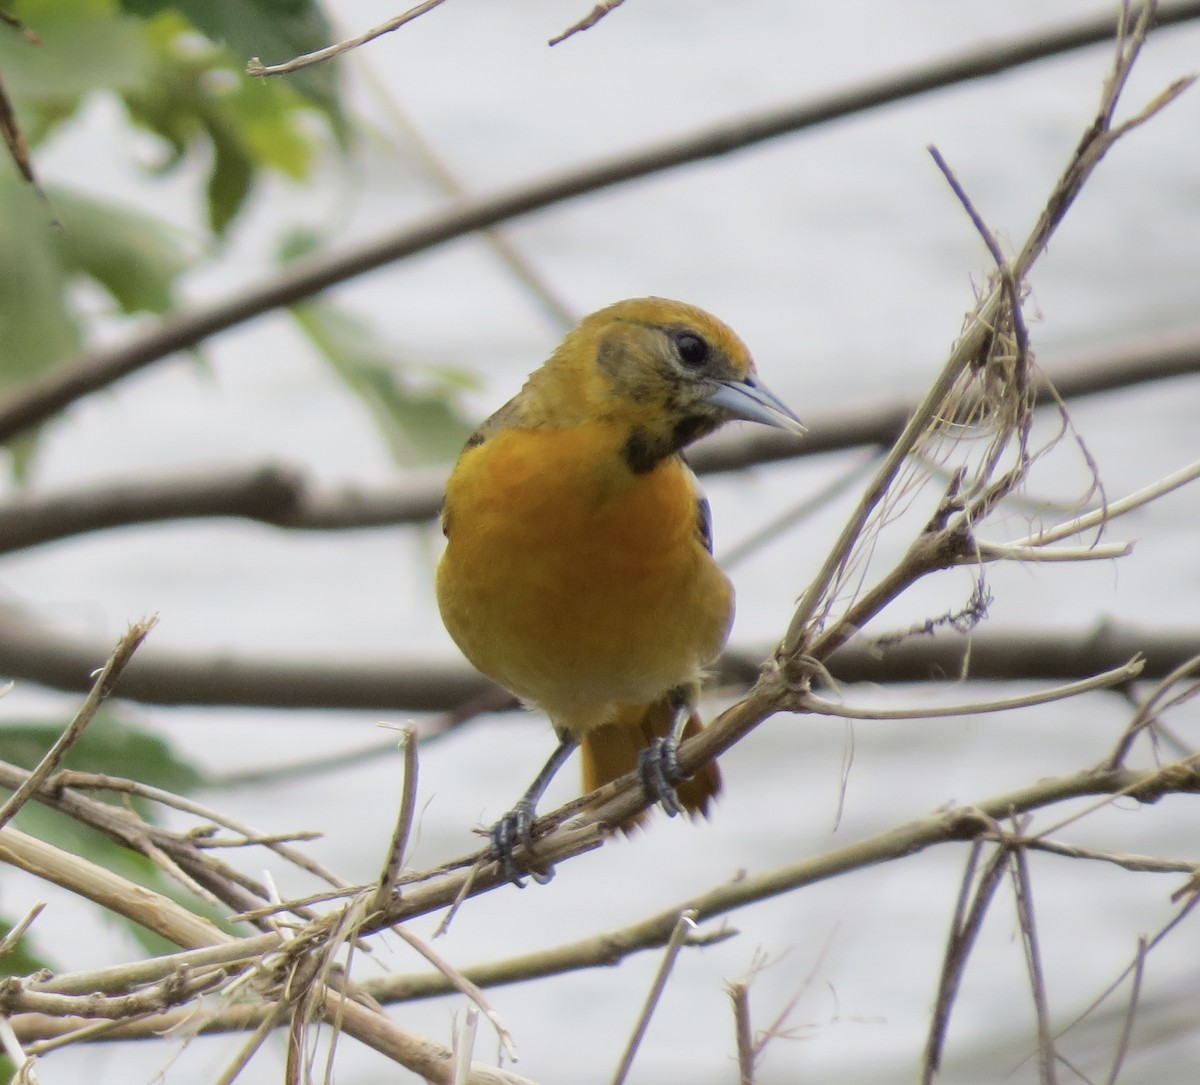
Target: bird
{"type": "Point", "coordinates": [578, 570]}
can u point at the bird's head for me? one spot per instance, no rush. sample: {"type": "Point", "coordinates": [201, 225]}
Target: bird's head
{"type": "Point", "coordinates": [668, 371]}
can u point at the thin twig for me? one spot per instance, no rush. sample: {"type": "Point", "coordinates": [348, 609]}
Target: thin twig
{"type": "Point", "coordinates": [464, 1046]}
{"type": "Point", "coordinates": [386, 885]}
{"type": "Point", "coordinates": [74, 779]}
{"type": "Point", "coordinates": [1140, 864]}
{"type": "Point", "coordinates": [589, 20]}
{"type": "Point", "coordinates": [24, 1073]}
{"type": "Point", "coordinates": [256, 66]}
{"type": "Point", "coordinates": [460, 983]}
{"type": "Point", "coordinates": [809, 702]}
{"type": "Point", "coordinates": [964, 929]}
{"type": "Point", "coordinates": [101, 688]}
{"type": "Point", "coordinates": [989, 239]}
{"type": "Point", "coordinates": [17, 931]}
{"type": "Point", "coordinates": [1135, 990]}
{"type": "Point", "coordinates": [1112, 509]}
{"type": "Point", "coordinates": [739, 995]}
{"type": "Point", "coordinates": [1023, 893]}
{"type": "Point", "coordinates": [683, 927]}
{"type": "Point", "coordinates": [268, 1024]}
{"type": "Point", "coordinates": [1150, 704]}
{"type": "Point", "coordinates": [1179, 775]}
{"type": "Point", "coordinates": [988, 552]}
{"type": "Point", "coordinates": [1137, 964]}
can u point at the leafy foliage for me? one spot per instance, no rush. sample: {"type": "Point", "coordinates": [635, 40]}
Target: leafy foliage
{"type": "Point", "coordinates": [178, 68]}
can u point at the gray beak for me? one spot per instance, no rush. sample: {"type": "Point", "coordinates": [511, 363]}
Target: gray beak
{"type": "Point", "coordinates": [751, 401]}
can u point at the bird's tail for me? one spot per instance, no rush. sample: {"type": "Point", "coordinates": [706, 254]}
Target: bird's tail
{"type": "Point", "coordinates": [612, 751]}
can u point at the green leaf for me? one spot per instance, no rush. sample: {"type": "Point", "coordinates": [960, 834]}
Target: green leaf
{"type": "Point", "coordinates": [109, 745]}
{"type": "Point", "coordinates": [231, 178]}
{"type": "Point", "coordinates": [273, 30]}
{"type": "Point", "coordinates": [84, 47]}
{"type": "Point", "coordinates": [135, 258]}
{"type": "Point", "coordinates": [202, 99]}
{"type": "Point", "coordinates": [419, 424]}
{"type": "Point", "coordinates": [37, 327]}
{"type": "Point", "coordinates": [130, 255]}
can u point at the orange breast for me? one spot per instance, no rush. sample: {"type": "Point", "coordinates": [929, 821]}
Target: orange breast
{"type": "Point", "coordinates": [574, 582]}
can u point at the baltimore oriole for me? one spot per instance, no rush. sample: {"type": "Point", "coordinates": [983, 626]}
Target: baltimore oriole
{"type": "Point", "coordinates": [578, 570]}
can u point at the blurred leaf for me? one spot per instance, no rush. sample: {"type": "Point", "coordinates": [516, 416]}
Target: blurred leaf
{"type": "Point", "coordinates": [191, 92]}
{"type": "Point", "coordinates": [85, 46]}
{"type": "Point", "coordinates": [37, 327]}
{"type": "Point", "coordinates": [420, 425]}
{"type": "Point", "coordinates": [135, 258]}
{"type": "Point", "coordinates": [130, 255]}
{"type": "Point", "coordinates": [274, 30]}
{"type": "Point", "coordinates": [202, 98]}
{"type": "Point", "coordinates": [231, 178]}
{"type": "Point", "coordinates": [266, 123]}
{"type": "Point", "coordinates": [109, 745]}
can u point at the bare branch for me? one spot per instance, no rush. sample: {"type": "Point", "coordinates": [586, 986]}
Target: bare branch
{"type": "Point", "coordinates": [399, 843]}
{"type": "Point", "coordinates": [589, 20]}
{"type": "Point", "coordinates": [1023, 893]}
{"type": "Point", "coordinates": [1135, 990]}
{"type": "Point", "coordinates": [969, 914]}
{"type": "Point", "coordinates": [100, 692]}
{"type": "Point", "coordinates": [1142, 864]}
{"type": "Point", "coordinates": [808, 702]}
{"type": "Point", "coordinates": [739, 996]}
{"type": "Point", "coordinates": [683, 927]}
{"type": "Point", "coordinates": [257, 68]}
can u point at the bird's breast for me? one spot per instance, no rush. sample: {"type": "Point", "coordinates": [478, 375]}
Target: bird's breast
{"type": "Point", "coordinates": [569, 578]}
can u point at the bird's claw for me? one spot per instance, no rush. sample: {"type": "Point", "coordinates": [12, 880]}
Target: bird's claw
{"type": "Point", "coordinates": [515, 830]}
{"type": "Point", "coordinates": [659, 771]}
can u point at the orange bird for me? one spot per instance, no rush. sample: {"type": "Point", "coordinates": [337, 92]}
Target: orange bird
{"type": "Point", "coordinates": [578, 570]}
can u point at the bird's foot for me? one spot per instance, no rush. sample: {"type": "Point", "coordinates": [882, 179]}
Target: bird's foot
{"type": "Point", "coordinates": [659, 771]}
{"type": "Point", "coordinates": [515, 830]}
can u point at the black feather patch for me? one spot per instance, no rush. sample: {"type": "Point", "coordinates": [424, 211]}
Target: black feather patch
{"type": "Point", "coordinates": [644, 451]}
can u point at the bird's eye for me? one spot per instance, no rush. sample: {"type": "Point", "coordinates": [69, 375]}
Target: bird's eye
{"type": "Point", "coordinates": [693, 351]}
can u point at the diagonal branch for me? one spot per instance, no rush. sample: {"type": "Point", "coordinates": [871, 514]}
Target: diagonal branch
{"type": "Point", "coordinates": [282, 497]}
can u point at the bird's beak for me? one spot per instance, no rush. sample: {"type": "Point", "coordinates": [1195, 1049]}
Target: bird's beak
{"type": "Point", "coordinates": [751, 401]}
